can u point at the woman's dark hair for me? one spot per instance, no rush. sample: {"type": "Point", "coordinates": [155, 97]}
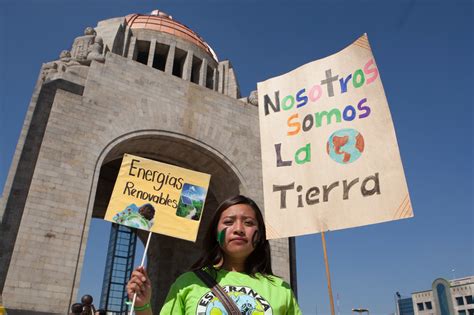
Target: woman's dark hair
{"type": "Point", "coordinates": [259, 261]}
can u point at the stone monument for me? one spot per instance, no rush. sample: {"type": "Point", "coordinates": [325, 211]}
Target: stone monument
{"type": "Point", "coordinates": [141, 84]}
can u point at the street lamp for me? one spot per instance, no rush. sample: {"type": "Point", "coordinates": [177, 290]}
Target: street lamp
{"type": "Point", "coordinates": [361, 310]}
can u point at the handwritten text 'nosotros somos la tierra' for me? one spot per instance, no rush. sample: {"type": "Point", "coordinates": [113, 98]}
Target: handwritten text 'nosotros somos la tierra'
{"type": "Point", "coordinates": [161, 180]}
{"type": "Point", "coordinates": [335, 84]}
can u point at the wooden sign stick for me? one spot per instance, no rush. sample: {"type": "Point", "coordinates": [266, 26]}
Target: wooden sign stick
{"type": "Point", "coordinates": [328, 275]}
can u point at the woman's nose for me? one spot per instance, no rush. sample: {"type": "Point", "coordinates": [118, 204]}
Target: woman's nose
{"type": "Point", "coordinates": [239, 228]}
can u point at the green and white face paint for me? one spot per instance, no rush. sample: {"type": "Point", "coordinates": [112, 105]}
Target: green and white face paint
{"type": "Point", "coordinates": [221, 235]}
{"type": "Point", "coordinates": [256, 238]}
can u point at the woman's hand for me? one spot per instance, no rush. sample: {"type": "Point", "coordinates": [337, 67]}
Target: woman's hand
{"type": "Point", "coordinates": [140, 284]}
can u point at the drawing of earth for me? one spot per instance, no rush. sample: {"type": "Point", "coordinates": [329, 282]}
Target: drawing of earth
{"type": "Point", "coordinates": [135, 217]}
{"type": "Point", "coordinates": [345, 146]}
{"type": "Point", "coordinates": [135, 220]}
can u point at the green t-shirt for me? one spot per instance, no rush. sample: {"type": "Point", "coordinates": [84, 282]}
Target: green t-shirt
{"type": "Point", "coordinates": [254, 296]}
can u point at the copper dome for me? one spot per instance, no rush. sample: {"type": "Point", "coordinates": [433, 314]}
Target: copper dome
{"type": "Point", "coordinates": [162, 22]}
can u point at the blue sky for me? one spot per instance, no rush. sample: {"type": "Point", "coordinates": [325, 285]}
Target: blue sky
{"type": "Point", "coordinates": [424, 53]}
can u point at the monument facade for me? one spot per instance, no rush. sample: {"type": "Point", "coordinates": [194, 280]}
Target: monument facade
{"type": "Point", "coordinates": [141, 84]}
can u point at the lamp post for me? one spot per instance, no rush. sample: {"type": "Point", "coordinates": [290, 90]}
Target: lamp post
{"type": "Point", "coordinates": [361, 310]}
{"type": "Point", "coordinates": [397, 297]}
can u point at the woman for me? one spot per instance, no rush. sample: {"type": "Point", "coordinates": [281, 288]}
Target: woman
{"type": "Point", "coordinates": [237, 256]}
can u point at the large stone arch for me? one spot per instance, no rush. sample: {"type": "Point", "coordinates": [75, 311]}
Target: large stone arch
{"type": "Point", "coordinates": [167, 257]}
{"type": "Point", "coordinates": [80, 120]}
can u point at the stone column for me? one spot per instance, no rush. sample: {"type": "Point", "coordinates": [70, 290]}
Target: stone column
{"type": "Point", "coordinates": [188, 64]}
{"type": "Point", "coordinates": [132, 52]}
{"type": "Point", "coordinates": [215, 78]}
{"type": "Point", "coordinates": [151, 53]}
{"type": "Point", "coordinates": [170, 59]}
{"type": "Point", "coordinates": [223, 69]}
{"type": "Point", "coordinates": [203, 73]}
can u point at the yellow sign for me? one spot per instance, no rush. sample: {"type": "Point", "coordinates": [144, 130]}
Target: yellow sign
{"type": "Point", "coordinates": [329, 150]}
{"type": "Point", "coordinates": [158, 197]}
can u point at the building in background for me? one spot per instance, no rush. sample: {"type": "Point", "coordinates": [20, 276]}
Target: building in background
{"type": "Point", "coordinates": [404, 305]}
{"type": "Point", "coordinates": [118, 269]}
{"type": "Point", "coordinates": [446, 297]}
{"type": "Point", "coordinates": [144, 84]}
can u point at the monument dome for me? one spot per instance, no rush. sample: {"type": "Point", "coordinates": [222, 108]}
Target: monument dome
{"type": "Point", "coordinates": [159, 41]}
{"type": "Point", "coordinates": [160, 21]}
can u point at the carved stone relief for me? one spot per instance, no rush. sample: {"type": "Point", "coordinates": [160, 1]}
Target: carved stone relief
{"type": "Point", "coordinates": [253, 98]}
{"type": "Point", "coordinates": [84, 49]}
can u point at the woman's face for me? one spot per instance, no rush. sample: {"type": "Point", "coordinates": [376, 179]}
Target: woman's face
{"type": "Point", "coordinates": [237, 230]}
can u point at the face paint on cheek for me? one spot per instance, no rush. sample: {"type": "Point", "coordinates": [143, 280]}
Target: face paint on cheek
{"type": "Point", "coordinates": [221, 236]}
{"type": "Point", "coordinates": [255, 238]}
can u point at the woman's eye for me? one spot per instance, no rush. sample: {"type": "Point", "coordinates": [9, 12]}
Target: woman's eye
{"type": "Point", "coordinates": [227, 222]}
{"type": "Point", "coordinates": [249, 223]}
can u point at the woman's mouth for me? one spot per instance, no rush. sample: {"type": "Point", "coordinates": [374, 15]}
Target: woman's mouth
{"type": "Point", "coordinates": [239, 239]}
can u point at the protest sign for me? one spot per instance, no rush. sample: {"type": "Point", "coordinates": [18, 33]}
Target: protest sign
{"type": "Point", "coordinates": [158, 197]}
{"type": "Point", "coordinates": [329, 151]}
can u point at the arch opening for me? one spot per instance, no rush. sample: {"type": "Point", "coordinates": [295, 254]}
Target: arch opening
{"type": "Point", "coordinates": [168, 257]}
